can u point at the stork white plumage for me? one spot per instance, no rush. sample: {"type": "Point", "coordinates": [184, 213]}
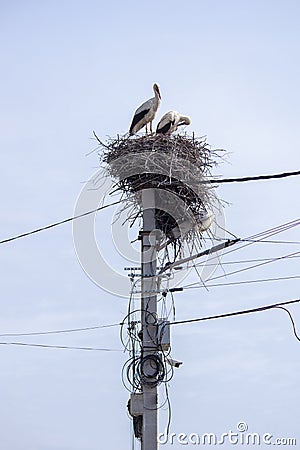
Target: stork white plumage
{"type": "Point", "coordinates": [146, 112]}
{"type": "Point", "coordinates": [171, 121]}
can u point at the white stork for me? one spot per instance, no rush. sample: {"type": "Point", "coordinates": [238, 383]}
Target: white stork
{"type": "Point", "coordinates": [146, 112]}
{"type": "Point", "coordinates": [171, 121]}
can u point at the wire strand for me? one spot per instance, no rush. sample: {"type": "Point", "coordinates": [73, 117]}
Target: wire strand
{"type": "Point", "coordinates": [237, 313]}
{"type": "Point", "coordinates": [211, 181]}
{"type": "Point", "coordinates": [243, 261]}
{"type": "Point", "coordinates": [292, 320]}
{"type": "Point", "coordinates": [65, 347]}
{"type": "Point", "coordinates": [244, 269]}
{"type": "Point", "coordinates": [255, 177]}
{"type": "Point", "coordinates": [260, 237]}
{"type": "Point", "coordinates": [71, 330]}
{"type": "Point", "coordinates": [234, 283]}
{"type": "Point", "coordinates": [47, 227]}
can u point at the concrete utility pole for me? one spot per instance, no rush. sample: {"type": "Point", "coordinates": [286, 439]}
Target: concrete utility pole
{"type": "Point", "coordinates": [149, 321]}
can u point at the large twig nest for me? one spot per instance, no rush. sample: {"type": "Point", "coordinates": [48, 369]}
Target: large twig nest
{"type": "Point", "coordinates": [175, 166]}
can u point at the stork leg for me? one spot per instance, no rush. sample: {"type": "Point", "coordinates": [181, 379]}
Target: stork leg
{"type": "Point", "coordinates": [146, 128]}
{"type": "Point", "coordinates": [151, 127]}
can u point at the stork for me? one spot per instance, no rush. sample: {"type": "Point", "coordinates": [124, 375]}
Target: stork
{"type": "Point", "coordinates": [171, 121]}
{"type": "Point", "coordinates": [146, 112]}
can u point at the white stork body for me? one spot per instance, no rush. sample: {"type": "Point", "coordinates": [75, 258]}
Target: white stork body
{"type": "Point", "coordinates": [146, 112]}
{"type": "Point", "coordinates": [171, 121]}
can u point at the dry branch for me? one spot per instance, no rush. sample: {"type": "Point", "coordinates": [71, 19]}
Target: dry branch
{"type": "Point", "coordinates": [176, 167]}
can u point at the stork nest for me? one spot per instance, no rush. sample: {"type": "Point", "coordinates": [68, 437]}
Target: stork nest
{"type": "Point", "coordinates": [176, 166]}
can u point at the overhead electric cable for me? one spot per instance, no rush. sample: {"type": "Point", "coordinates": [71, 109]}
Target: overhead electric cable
{"type": "Point", "coordinates": [71, 330]}
{"type": "Point", "coordinates": [243, 269]}
{"type": "Point", "coordinates": [254, 241]}
{"type": "Point", "coordinates": [201, 319]}
{"type": "Point", "coordinates": [255, 177]}
{"type": "Point", "coordinates": [292, 320]}
{"type": "Point", "coordinates": [236, 313]}
{"type": "Point", "coordinates": [272, 241]}
{"type": "Point", "coordinates": [212, 181]}
{"type": "Point", "coordinates": [213, 249]}
{"type": "Point", "coordinates": [260, 237]}
{"type": "Point", "coordinates": [47, 227]}
{"type": "Point", "coordinates": [243, 261]}
{"type": "Point", "coordinates": [234, 283]}
{"type": "Point", "coordinates": [229, 242]}
{"type": "Point", "coordinates": [65, 347]}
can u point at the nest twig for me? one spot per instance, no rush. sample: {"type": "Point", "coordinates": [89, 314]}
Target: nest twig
{"type": "Point", "coordinates": [175, 166]}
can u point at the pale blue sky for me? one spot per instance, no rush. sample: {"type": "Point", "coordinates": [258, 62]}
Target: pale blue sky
{"type": "Point", "coordinates": [70, 67]}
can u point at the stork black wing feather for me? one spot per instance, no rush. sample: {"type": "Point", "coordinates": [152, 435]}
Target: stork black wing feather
{"type": "Point", "coordinates": [165, 128]}
{"type": "Point", "coordinates": [137, 117]}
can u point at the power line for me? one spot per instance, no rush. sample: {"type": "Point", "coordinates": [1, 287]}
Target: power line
{"type": "Point", "coordinates": [260, 237]}
{"type": "Point", "coordinates": [258, 264]}
{"type": "Point", "coordinates": [254, 241]}
{"type": "Point", "coordinates": [269, 241]}
{"type": "Point", "coordinates": [275, 230]}
{"type": "Point", "coordinates": [234, 283]}
{"type": "Point", "coordinates": [255, 178]}
{"type": "Point", "coordinates": [47, 227]}
{"type": "Point", "coordinates": [62, 347]}
{"type": "Point", "coordinates": [236, 313]}
{"type": "Point", "coordinates": [177, 322]}
{"type": "Point", "coordinates": [292, 321]}
{"type": "Point", "coordinates": [209, 251]}
{"type": "Point", "coordinates": [243, 261]}
{"type": "Point", "coordinates": [212, 181]}
{"type": "Point", "coordinates": [72, 330]}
